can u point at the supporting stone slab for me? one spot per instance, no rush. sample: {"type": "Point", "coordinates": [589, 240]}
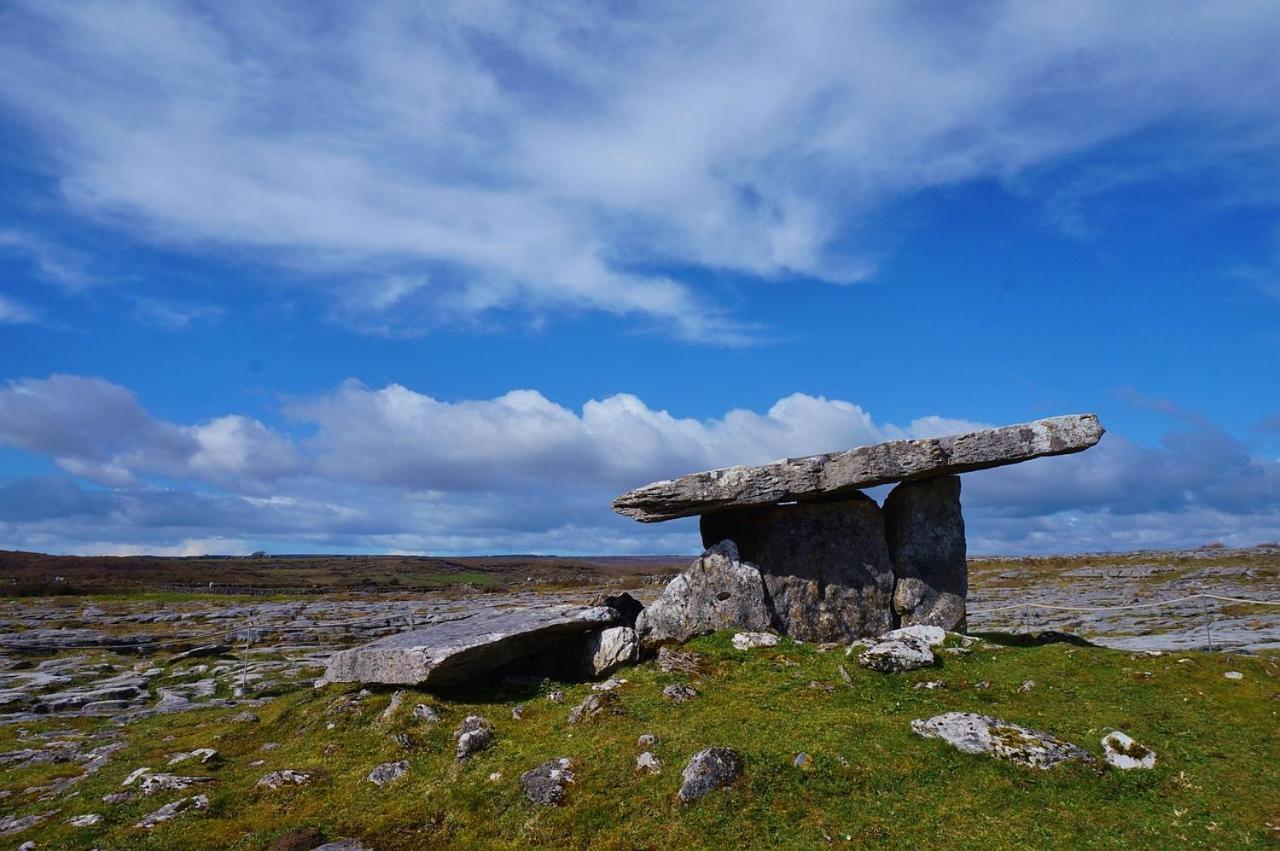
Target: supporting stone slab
{"type": "Point", "coordinates": [825, 565]}
{"type": "Point", "coordinates": [925, 533]}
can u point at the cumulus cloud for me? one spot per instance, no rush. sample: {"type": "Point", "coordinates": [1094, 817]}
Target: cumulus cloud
{"type": "Point", "coordinates": [549, 157]}
{"type": "Point", "coordinates": [392, 469]}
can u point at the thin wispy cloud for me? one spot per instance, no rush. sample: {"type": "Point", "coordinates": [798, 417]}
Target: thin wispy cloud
{"type": "Point", "coordinates": [551, 157]}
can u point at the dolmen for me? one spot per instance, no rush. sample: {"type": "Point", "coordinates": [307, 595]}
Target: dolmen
{"type": "Point", "coordinates": [796, 546]}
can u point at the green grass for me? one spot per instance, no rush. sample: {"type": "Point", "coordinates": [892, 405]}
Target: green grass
{"type": "Point", "coordinates": [871, 782]}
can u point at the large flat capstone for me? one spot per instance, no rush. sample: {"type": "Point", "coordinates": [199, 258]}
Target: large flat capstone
{"type": "Point", "coordinates": [459, 650]}
{"type": "Point", "coordinates": [840, 473]}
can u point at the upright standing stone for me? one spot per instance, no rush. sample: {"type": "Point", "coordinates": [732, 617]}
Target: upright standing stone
{"type": "Point", "coordinates": [825, 564]}
{"type": "Point", "coordinates": [925, 533]}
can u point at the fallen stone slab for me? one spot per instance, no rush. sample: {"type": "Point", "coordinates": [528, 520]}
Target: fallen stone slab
{"type": "Point", "coordinates": [969, 732]}
{"type": "Point", "coordinates": [458, 650]}
{"type": "Point", "coordinates": [171, 810]}
{"type": "Point", "coordinates": [840, 473]}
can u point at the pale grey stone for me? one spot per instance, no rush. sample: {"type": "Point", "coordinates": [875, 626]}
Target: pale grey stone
{"type": "Point", "coordinates": [711, 769]}
{"type": "Point", "coordinates": [977, 734]}
{"type": "Point", "coordinates": [933, 636]}
{"type": "Point", "coordinates": [423, 712]}
{"type": "Point", "coordinates": [474, 734]}
{"type": "Point", "coordinates": [752, 640]}
{"type": "Point", "coordinates": [610, 649]}
{"type": "Point", "coordinates": [718, 591]}
{"type": "Point", "coordinates": [86, 820]}
{"type": "Point", "coordinates": [596, 705]}
{"type": "Point", "coordinates": [284, 777]}
{"type": "Point", "coordinates": [458, 650]}
{"type": "Point", "coordinates": [163, 782]}
{"type": "Point", "coordinates": [173, 809]}
{"type": "Point", "coordinates": [387, 772]}
{"type": "Point", "coordinates": [647, 763]}
{"type": "Point", "coordinates": [925, 533]}
{"type": "Point", "coordinates": [10, 825]}
{"type": "Point", "coordinates": [840, 473]}
{"type": "Point", "coordinates": [548, 783]}
{"type": "Point", "coordinates": [896, 655]}
{"type": "Point", "coordinates": [680, 692]}
{"type": "Point", "coordinates": [1124, 753]}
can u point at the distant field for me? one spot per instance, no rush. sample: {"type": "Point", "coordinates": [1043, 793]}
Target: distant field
{"type": "Point", "coordinates": [24, 574]}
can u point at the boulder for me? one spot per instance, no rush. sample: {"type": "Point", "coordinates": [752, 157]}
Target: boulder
{"type": "Point", "coordinates": [972, 733]}
{"type": "Point", "coordinates": [825, 565]}
{"type": "Point", "coordinates": [925, 534]}
{"type": "Point", "coordinates": [841, 473]}
{"type": "Point", "coordinates": [711, 769]}
{"type": "Point", "coordinates": [462, 649]}
{"type": "Point", "coordinates": [548, 783]}
{"type": "Point", "coordinates": [718, 591]}
{"type": "Point", "coordinates": [610, 649]}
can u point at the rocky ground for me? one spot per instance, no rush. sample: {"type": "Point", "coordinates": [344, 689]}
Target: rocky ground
{"type": "Point", "coordinates": [85, 681]}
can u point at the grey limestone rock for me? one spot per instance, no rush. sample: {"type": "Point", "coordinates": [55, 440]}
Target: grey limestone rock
{"type": "Point", "coordinates": [825, 565]}
{"type": "Point", "coordinates": [387, 772]}
{"type": "Point", "coordinates": [596, 705]}
{"type": "Point", "coordinates": [840, 473]}
{"type": "Point", "coordinates": [474, 734]}
{"type": "Point", "coordinates": [711, 769]}
{"type": "Point", "coordinates": [716, 592]}
{"type": "Point", "coordinates": [173, 809]}
{"type": "Point", "coordinates": [461, 649]}
{"type": "Point", "coordinates": [284, 777]}
{"type": "Point", "coordinates": [680, 692]}
{"type": "Point", "coordinates": [925, 533]}
{"type": "Point", "coordinates": [610, 649]}
{"type": "Point", "coordinates": [895, 655]}
{"type": "Point", "coordinates": [1121, 751]}
{"type": "Point", "coordinates": [972, 733]}
{"type": "Point", "coordinates": [549, 782]}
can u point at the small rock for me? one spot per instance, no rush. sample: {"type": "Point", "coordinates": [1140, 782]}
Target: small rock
{"type": "Point", "coordinates": [555, 696]}
{"type": "Point", "coordinates": [1123, 752]}
{"type": "Point", "coordinates": [597, 704]}
{"type": "Point", "coordinates": [972, 733]}
{"type": "Point", "coordinates": [117, 797]}
{"type": "Point", "coordinates": [930, 684]}
{"type": "Point", "coordinates": [134, 775]}
{"type": "Point", "coordinates": [301, 839]}
{"type": "Point", "coordinates": [1027, 685]}
{"type": "Point", "coordinates": [284, 777]}
{"type": "Point", "coordinates": [206, 756]}
{"type": "Point", "coordinates": [474, 734]}
{"type": "Point", "coordinates": [388, 771]}
{"type": "Point", "coordinates": [820, 686]}
{"type": "Point", "coordinates": [495, 776]}
{"type": "Point", "coordinates": [844, 675]}
{"type": "Point", "coordinates": [751, 640]}
{"type": "Point", "coordinates": [609, 685]}
{"type": "Point", "coordinates": [547, 784]}
{"type": "Point", "coordinates": [343, 845]}
{"type": "Point", "coordinates": [10, 825]}
{"type": "Point", "coordinates": [269, 746]}
{"type": "Point", "coordinates": [647, 740]}
{"type": "Point", "coordinates": [679, 692]}
{"type": "Point", "coordinates": [404, 740]}
{"type": "Point", "coordinates": [245, 717]}
{"type": "Point", "coordinates": [426, 713]}
{"type": "Point", "coordinates": [174, 808]}
{"type": "Point", "coordinates": [803, 761]}
{"type": "Point", "coordinates": [647, 763]}
{"type": "Point", "coordinates": [517, 712]}
{"type": "Point", "coordinates": [162, 782]}
{"type": "Point", "coordinates": [1234, 675]}
{"type": "Point", "coordinates": [713, 768]}
{"type": "Point", "coordinates": [86, 820]}
{"type": "Point", "coordinates": [982, 685]}
{"type": "Point", "coordinates": [393, 707]}
{"type": "Point", "coordinates": [897, 655]}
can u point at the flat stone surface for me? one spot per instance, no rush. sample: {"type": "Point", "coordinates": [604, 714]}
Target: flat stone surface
{"type": "Point", "coordinates": [969, 732]}
{"type": "Point", "coordinates": [458, 650]}
{"type": "Point", "coordinates": [825, 565]}
{"type": "Point", "coordinates": [839, 473]}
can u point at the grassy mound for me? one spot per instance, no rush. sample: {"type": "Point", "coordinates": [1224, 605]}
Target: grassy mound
{"type": "Point", "coordinates": [870, 781]}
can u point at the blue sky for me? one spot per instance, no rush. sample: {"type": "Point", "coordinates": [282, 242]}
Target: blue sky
{"type": "Point", "coordinates": [446, 278]}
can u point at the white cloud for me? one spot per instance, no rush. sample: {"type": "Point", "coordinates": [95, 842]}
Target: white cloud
{"type": "Point", "coordinates": [548, 157]}
{"type": "Point", "coordinates": [392, 469]}
{"type": "Point", "coordinates": [13, 313]}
